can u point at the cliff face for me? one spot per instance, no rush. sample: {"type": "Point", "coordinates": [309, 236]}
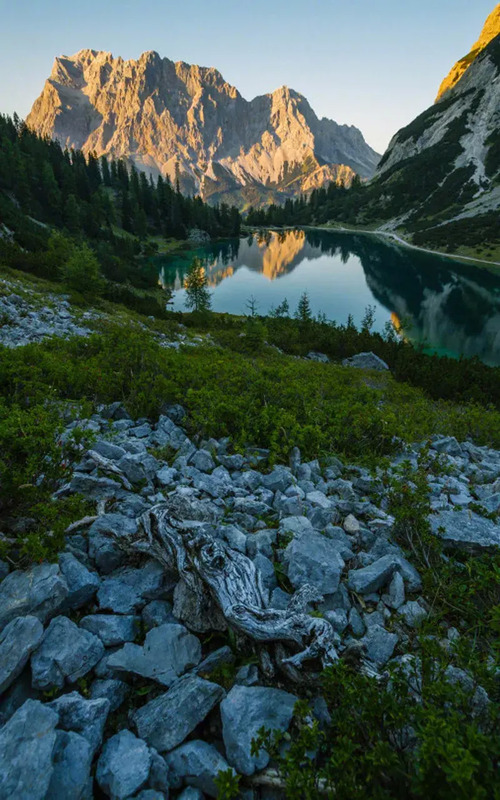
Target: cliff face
{"type": "Point", "coordinates": [167, 117]}
{"type": "Point", "coordinates": [490, 30]}
{"type": "Point", "coordinates": [445, 165]}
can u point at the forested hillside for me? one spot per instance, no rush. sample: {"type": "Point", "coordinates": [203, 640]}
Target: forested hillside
{"type": "Point", "coordinates": [52, 201]}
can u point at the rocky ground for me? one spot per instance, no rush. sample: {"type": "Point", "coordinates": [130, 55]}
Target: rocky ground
{"type": "Point", "coordinates": [31, 317]}
{"type": "Point", "coordinates": [111, 676]}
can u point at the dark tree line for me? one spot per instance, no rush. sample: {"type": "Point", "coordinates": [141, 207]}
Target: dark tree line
{"type": "Point", "coordinates": [91, 196]}
{"type": "Point", "coordinates": [322, 205]}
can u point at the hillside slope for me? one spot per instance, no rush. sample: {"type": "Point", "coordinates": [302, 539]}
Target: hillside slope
{"type": "Point", "coordinates": [445, 166]}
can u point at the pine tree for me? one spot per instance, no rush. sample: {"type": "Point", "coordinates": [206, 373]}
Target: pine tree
{"type": "Point", "coordinates": [303, 313]}
{"type": "Point", "coordinates": [198, 296]}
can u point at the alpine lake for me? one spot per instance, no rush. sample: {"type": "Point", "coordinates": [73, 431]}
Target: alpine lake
{"type": "Point", "coordinates": [449, 307]}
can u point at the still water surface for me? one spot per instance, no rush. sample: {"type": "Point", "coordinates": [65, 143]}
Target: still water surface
{"type": "Point", "coordinates": [452, 308]}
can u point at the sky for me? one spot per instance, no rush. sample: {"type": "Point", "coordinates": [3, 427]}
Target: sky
{"type": "Point", "coordinates": [375, 64]}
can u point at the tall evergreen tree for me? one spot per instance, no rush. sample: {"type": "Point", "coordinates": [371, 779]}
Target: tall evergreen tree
{"type": "Point", "coordinates": [198, 296]}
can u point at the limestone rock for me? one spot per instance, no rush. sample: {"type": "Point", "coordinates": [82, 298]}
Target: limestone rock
{"type": "Point", "coordinates": [65, 653]}
{"type": "Point", "coordinates": [196, 763]}
{"type": "Point", "coordinates": [466, 530]}
{"type": "Point", "coordinates": [166, 721]}
{"type": "Point", "coordinates": [123, 765]}
{"type": "Point", "coordinates": [314, 559]}
{"type": "Point", "coordinates": [244, 711]}
{"type": "Point", "coordinates": [40, 592]}
{"type": "Point", "coordinates": [168, 651]}
{"type": "Point", "coordinates": [85, 717]}
{"type": "Point", "coordinates": [26, 744]}
{"type": "Point", "coordinates": [17, 641]}
{"type": "Point", "coordinates": [221, 142]}
{"type": "Point", "coordinates": [72, 759]}
{"type": "Point", "coordinates": [365, 361]}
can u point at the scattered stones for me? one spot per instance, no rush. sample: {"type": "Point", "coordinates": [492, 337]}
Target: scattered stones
{"type": "Point", "coordinates": [39, 592]}
{"type": "Point", "coordinates": [17, 641]}
{"type": "Point", "coordinates": [166, 721]}
{"type": "Point", "coordinates": [196, 763]}
{"type": "Point", "coordinates": [26, 744]}
{"type": "Point", "coordinates": [465, 530]}
{"type": "Point", "coordinates": [168, 652]}
{"type": "Point", "coordinates": [65, 653]}
{"type": "Point", "coordinates": [86, 717]}
{"type": "Point", "coordinates": [123, 766]}
{"type": "Point", "coordinates": [365, 361]}
{"type": "Point", "coordinates": [314, 559]}
{"type": "Point", "coordinates": [244, 711]}
{"type": "Point", "coordinates": [111, 629]}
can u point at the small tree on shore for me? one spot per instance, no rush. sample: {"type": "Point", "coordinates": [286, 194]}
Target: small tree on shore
{"type": "Point", "coordinates": [303, 313]}
{"type": "Point", "coordinates": [198, 296]}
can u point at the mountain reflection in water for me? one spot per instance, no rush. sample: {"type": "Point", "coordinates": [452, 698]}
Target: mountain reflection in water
{"type": "Point", "coordinates": [450, 307]}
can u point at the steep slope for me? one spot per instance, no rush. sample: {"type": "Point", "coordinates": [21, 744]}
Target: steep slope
{"type": "Point", "coordinates": [179, 119]}
{"type": "Point", "coordinates": [490, 30]}
{"type": "Point", "coordinates": [445, 166]}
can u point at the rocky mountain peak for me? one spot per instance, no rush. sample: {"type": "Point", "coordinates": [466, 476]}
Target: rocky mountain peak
{"type": "Point", "coordinates": [490, 30]}
{"type": "Point", "coordinates": [165, 116]}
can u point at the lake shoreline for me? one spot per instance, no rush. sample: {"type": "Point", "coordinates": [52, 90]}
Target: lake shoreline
{"type": "Point", "coordinates": [399, 240]}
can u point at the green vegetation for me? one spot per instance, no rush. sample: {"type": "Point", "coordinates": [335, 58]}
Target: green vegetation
{"type": "Point", "coordinates": [196, 286]}
{"type": "Point", "coordinates": [92, 223]}
{"type": "Point", "coordinates": [429, 730]}
{"type": "Point", "coordinates": [240, 388]}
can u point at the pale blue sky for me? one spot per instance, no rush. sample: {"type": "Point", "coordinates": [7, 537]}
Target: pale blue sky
{"type": "Point", "coordinates": [375, 64]}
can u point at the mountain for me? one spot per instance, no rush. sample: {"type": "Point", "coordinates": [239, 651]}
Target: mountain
{"type": "Point", "coordinates": [443, 169]}
{"type": "Point", "coordinates": [178, 119]}
{"type": "Point", "coordinates": [490, 30]}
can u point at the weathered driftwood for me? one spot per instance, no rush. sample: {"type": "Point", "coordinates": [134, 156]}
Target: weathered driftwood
{"type": "Point", "coordinates": [211, 568]}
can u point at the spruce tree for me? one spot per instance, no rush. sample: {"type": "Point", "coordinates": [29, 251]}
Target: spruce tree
{"type": "Point", "coordinates": [198, 296]}
{"type": "Point", "coordinates": [303, 313]}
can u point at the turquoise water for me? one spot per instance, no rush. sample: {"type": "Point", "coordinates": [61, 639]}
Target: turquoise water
{"type": "Point", "coordinates": [450, 307]}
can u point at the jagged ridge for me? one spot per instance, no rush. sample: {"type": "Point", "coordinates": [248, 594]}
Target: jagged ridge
{"type": "Point", "coordinates": [167, 117]}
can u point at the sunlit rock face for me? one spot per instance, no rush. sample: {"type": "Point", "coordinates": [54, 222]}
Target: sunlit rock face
{"type": "Point", "coordinates": [170, 118]}
{"type": "Point", "coordinates": [490, 30]}
{"type": "Point", "coordinates": [451, 148]}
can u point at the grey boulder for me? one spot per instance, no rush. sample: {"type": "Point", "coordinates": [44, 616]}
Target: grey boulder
{"type": "Point", "coordinates": [110, 689]}
{"type": "Point", "coordinates": [17, 641]}
{"type": "Point", "coordinates": [196, 764]}
{"type": "Point", "coordinates": [465, 530]}
{"type": "Point", "coordinates": [123, 766]}
{"type": "Point", "coordinates": [373, 577]}
{"type": "Point", "coordinates": [379, 644]}
{"type": "Point", "coordinates": [103, 548]}
{"type": "Point", "coordinates": [26, 744]}
{"type": "Point", "coordinates": [168, 719]}
{"type": "Point", "coordinates": [168, 651]}
{"type": "Point", "coordinates": [65, 653]}
{"type": "Point", "coordinates": [85, 717]}
{"type": "Point", "coordinates": [82, 583]}
{"type": "Point", "coordinates": [365, 361]}
{"type": "Point", "coordinates": [40, 592]}
{"type": "Point", "coordinates": [112, 629]}
{"type": "Point", "coordinates": [72, 759]}
{"type": "Point", "coordinates": [244, 711]}
{"type": "Point", "coordinates": [314, 559]}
